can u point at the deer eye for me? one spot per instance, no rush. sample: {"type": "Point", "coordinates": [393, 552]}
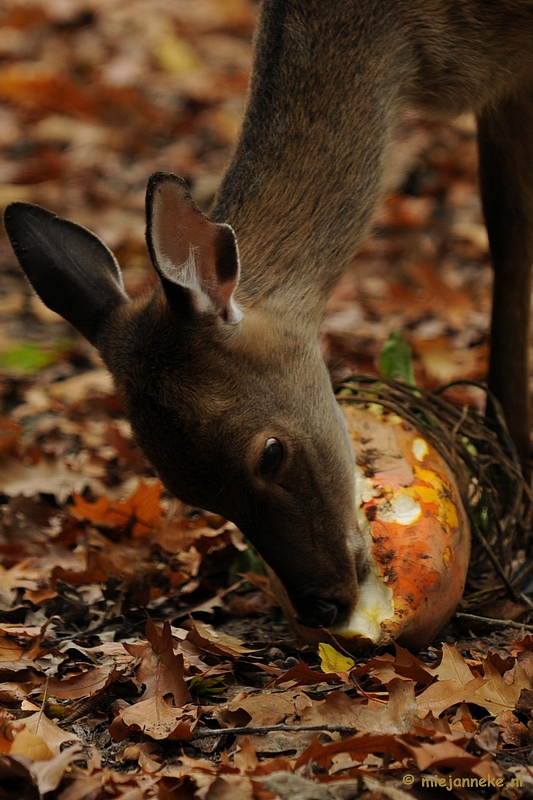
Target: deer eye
{"type": "Point", "coordinates": [271, 457]}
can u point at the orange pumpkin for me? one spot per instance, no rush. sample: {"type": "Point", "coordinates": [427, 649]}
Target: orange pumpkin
{"type": "Point", "coordinates": [416, 531]}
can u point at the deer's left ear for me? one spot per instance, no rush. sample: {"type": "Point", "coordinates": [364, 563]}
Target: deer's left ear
{"type": "Point", "coordinates": [71, 270]}
{"type": "Point", "coordinates": [189, 250]}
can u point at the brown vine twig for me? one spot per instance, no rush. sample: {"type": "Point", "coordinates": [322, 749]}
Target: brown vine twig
{"type": "Point", "coordinates": [492, 622]}
{"type": "Point", "coordinates": [263, 729]}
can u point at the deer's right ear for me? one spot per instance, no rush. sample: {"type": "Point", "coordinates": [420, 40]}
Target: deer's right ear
{"type": "Point", "coordinates": [189, 250]}
{"type": "Point", "coordinates": [72, 271]}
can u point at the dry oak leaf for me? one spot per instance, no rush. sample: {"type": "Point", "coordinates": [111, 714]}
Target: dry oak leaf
{"type": "Point", "coordinates": [453, 305]}
{"type": "Point", "coordinates": [245, 759]}
{"type": "Point", "coordinates": [443, 694]}
{"type": "Point", "coordinates": [513, 732]}
{"type": "Point", "coordinates": [31, 746]}
{"type": "Point", "coordinates": [359, 747]}
{"type": "Point", "coordinates": [266, 708]}
{"type": "Point", "coordinates": [402, 665]}
{"type": "Point", "coordinates": [455, 684]}
{"type": "Point", "coordinates": [23, 575]}
{"type": "Point", "coordinates": [398, 716]}
{"type": "Point", "coordinates": [157, 719]}
{"type": "Point", "coordinates": [523, 645]}
{"type": "Point", "coordinates": [228, 787]}
{"type": "Point", "coordinates": [6, 740]}
{"type": "Point", "coordinates": [49, 476]}
{"type": "Point", "coordinates": [9, 650]}
{"type": "Point", "coordinates": [212, 641]}
{"type": "Point", "coordinates": [525, 659]}
{"type": "Point", "coordinates": [160, 669]}
{"type": "Point", "coordinates": [108, 783]}
{"type": "Point", "coordinates": [39, 725]}
{"type": "Point", "coordinates": [9, 434]}
{"type": "Point", "coordinates": [140, 511]}
{"type": "Point", "coordinates": [443, 753]}
{"type": "Point", "coordinates": [74, 389]}
{"type": "Point", "coordinates": [495, 694]}
{"type": "Point", "coordinates": [442, 362]}
{"type": "Point", "coordinates": [39, 597]}
{"type": "Point", "coordinates": [48, 774]}
{"type": "Point", "coordinates": [452, 666]}
{"type": "Point", "coordinates": [339, 709]}
{"type": "Point", "coordinates": [88, 684]}
{"type": "Point", "coordinates": [302, 675]}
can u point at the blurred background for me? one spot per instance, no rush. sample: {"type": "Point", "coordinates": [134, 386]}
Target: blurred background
{"type": "Point", "coordinates": [95, 95]}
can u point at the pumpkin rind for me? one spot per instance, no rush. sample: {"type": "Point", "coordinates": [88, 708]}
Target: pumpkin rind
{"type": "Point", "coordinates": [416, 530]}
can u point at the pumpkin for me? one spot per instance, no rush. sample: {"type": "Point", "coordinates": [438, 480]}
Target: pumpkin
{"type": "Point", "coordinates": [416, 531]}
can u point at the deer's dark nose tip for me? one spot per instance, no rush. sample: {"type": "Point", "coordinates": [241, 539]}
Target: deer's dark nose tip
{"type": "Point", "coordinates": [314, 612]}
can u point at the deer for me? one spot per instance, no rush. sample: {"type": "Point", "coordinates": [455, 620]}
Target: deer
{"type": "Point", "coordinates": [219, 365]}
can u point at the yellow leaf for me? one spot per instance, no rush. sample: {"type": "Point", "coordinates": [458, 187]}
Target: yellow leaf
{"type": "Point", "coordinates": [176, 56]}
{"type": "Point", "coordinates": [333, 661]}
{"type": "Point", "coordinates": [30, 745]}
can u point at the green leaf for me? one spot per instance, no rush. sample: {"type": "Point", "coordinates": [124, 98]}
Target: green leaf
{"type": "Point", "coordinates": [247, 560]}
{"type": "Point", "coordinates": [28, 357]}
{"type": "Point", "coordinates": [396, 359]}
{"type": "Point", "coordinates": [204, 686]}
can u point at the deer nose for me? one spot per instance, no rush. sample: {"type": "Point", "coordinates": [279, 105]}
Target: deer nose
{"type": "Point", "coordinates": [317, 613]}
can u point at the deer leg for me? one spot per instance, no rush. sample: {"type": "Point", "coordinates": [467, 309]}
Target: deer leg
{"type": "Point", "coordinates": [505, 132]}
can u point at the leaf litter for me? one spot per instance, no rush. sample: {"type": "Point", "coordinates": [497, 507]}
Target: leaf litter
{"type": "Point", "coordinates": [136, 660]}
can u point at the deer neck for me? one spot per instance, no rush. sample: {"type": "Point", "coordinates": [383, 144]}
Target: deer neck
{"type": "Point", "coordinates": [298, 193]}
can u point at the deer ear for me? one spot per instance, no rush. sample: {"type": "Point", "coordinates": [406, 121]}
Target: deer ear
{"type": "Point", "coordinates": [189, 250]}
{"type": "Point", "coordinates": [72, 271]}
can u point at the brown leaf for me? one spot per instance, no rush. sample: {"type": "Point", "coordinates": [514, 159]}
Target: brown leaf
{"type": "Point", "coordinates": [513, 732]}
{"type": "Point", "coordinates": [49, 476]}
{"type": "Point", "coordinates": [454, 305]}
{"type": "Point", "coordinates": [88, 684]}
{"type": "Point", "coordinates": [444, 363]}
{"type": "Point", "coordinates": [359, 747]}
{"type": "Point", "coordinates": [302, 675]}
{"type": "Point", "coordinates": [9, 434]}
{"type": "Point", "coordinates": [161, 670]}
{"type": "Point", "coordinates": [443, 694]}
{"type": "Point", "coordinates": [206, 638]}
{"type": "Point", "coordinates": [39, 725]}
{"type": "Point", "coordinates": [441, 754]}
{"type": "Point", "coordinates": [266, 708]}
{"type": "Point", "coordinates": [157, 719]}
{"type": "Point", "coordinates": [140, 511]}
{"type": "Point", "coordinates": [74, 389]}
{"type": "Point", "coordinates": [9, 650]}
{"type": "Point", "coordinates": [407, 665]}
{"type": "Point", "coordinates": [495, 694]}
{"type": "Point", "coordinates": [246, 759]}
{"type": "Point", "coordinates": [452, 666]}
{"type": "Point", "coordinates": [48, 774]}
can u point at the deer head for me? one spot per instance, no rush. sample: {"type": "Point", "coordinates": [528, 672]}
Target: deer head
{"type": "Point", "coordinates": [231, 403]}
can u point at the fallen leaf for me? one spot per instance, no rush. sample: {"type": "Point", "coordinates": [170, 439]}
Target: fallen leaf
{"type": "Point", "coordinates": [157, 719]}
{"type": "Point", "coordinates": [88, 684]}
{"type": "Point", "coordinates": [48, 774]}
{"type": "Point", "coordinates": [140, 511]}
{"type": "Point", "coordinates": [495, 694]}
{"type": "Point", "coordinates": [38, 725]}
{"type": "Point", "coordinates": [206, 638]}
{"type": "Point", "coordinates": [161, 670]}
{"type": "Point", "coordinates": [333, 661]}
